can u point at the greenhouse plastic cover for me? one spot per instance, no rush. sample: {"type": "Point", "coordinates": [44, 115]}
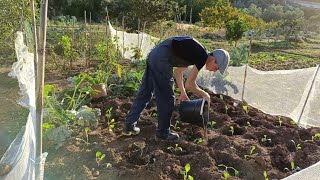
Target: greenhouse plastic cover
{"type": "Point", "coordinates": [21, 153]}
{"type": "Point", "coordinates": [291, 93]}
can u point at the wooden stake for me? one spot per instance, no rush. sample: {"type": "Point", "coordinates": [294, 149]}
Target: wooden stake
{"type": "Point", "coordinates": [123, 37]}
{"type": "Point", "coordinates": [35, 40]}
{"type": "Point", "coordinates": [85, 35]}
{"type": "Point", "coordinates": [40, 84]}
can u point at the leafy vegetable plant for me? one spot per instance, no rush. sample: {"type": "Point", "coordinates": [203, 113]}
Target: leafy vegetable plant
{"type": "Point", "coordinates": [279, 120]}
{"type": "Point", "coordinates": [198, 140]}
{"type": "Point", "coordinates": [175, 149]}
{"type": "Point", "coordinates": [226, 174]}
{"type": "Point", "coordinates": [99, 157]}
{"type": "Point", "coordinates": [176, 125]}
{"type": "Point", "coordinates": [86, 130]}
{"type": "Point", "coordinates": [251, 152]}
{"type": "Point", "coordinates": [315, 136]}
{"type": "Point", "coordinates": [245, 108]}
{"type": "Point", "coordinates": [264, 140]}
{"type": "Point", "coordinates": [297, 146]}
{"type": "Point", "coordinates": [265, 175]}
{"type": "Point", "coordinates": [231, 130]}
{"type": "Point", "coordinates": [185, 174]}
{"type": "Point", "coordinates": [111, 124]}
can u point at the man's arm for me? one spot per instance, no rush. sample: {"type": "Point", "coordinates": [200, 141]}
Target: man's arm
{"type": "Point", "coordinates": [192, 85]}
{"type": "Point", "coordinates": [179, 78]}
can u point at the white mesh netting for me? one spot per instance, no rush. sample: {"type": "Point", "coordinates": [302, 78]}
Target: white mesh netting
{"type": "Point", "coordinates": [282, 92]}
{"type": "Point", "coordinates": [127, 41]}
{"type": "Point", "coordinates": [20, 156]}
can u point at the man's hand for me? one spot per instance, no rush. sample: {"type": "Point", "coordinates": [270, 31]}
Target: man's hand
{"type": "Point", "coordinates": [206, 97]}
{"type": "Point", "coordinates": [183, 97]}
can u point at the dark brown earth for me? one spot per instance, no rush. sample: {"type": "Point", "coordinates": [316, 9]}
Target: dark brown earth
{"type": "Point", "coordinates": [143, 158]}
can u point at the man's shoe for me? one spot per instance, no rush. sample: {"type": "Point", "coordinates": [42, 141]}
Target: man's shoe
{"type": "Point", "coordinates": [130, 130]}
{"type": "Point", "coordinates": [171, 136]}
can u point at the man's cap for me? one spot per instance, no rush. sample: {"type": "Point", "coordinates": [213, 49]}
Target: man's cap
{"type": "Point", "coordinates": [222, 59]}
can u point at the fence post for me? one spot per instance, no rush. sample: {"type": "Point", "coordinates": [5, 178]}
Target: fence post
{"type": "Point", "coordinates": [309, 92]}
{"type": "Point", "coordinates": [246, 70]}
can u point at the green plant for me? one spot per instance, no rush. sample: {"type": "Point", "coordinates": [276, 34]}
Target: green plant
{"type": "Point", "coordinates": [176, 125]}
{"type": "Point", "coordinates": [198, 141]}
{"type": "Point", "coordinates": [297, 146]}
{"type": "Point", "coordinates": [99, 157]}
{"type": "Point", "coordinates": [185, 174]}
{"type": "Point", "coordinates": [245, 108]}
{"type": "Point", "coordinates": [226, 108]}
{"type": "Point", "coordinates": [141, 146]}
{"type": "Point", "coordinates": [279, 120]}
{"type": "Point", "coordinates": [86, 130]}
{"type": "Point", "coordinates": [226, 173]}
{"type": "Point", "coordinates": [248, 124]}
{"type": "Point", "coordinates": [175, 149]}
{"type": "Point", "coordinates": [265, 139]}
{"type": "Point", "coordinates": [315, 136]}
{"type": "Point", "coordinates": [292, 122]}
{"type": "Point", "coordinates": [251, 152]}
{"type": "Point", "coordinates": [231, 130]}
{"type": "Point", "coordinates": [293, 168]}
{"type": "Point", "coordinates": [137, 53]}
{"type": "Point", "coordinates": [211, 124]}
{"type": "Point", "coordinates": [69, 52]}
{"type": "Point", "coordinates": [111, 124]}
{"type": "Point", "coordinates": [265, 175]}
{"type": "Point", "coordinates": [97, 77]}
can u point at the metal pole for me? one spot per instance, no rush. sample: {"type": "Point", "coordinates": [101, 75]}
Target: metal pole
{"type": "Point", "coordinates": [309, 92]}
{"type": "Point", "coordinates": [40, 83]}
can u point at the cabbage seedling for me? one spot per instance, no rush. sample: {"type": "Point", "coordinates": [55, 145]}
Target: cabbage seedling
{"type": "Point", "coordinates": [99, 157]}
{"type": "Point", "coordinates": [211, 124]}
{"type": "Point", "coordinates": [86, 130]}
{"type": "Point", "coordinates": [141, 146]}
{"type": "Point", "coordinates": [226, 174]}
{"type": "Point", "coordinates": [265, 175]}
{"type": "Point", "coordinates": [175, 126]}
{"type": "Point", "coordinates": [279, 120]}
{"type": "Point", "coordinates": [315, 136]}
{"type": "Point", "coordinates": [111, 124]}
{"type": "Point", "coordinates": [226, 108]}
{"type": "Point", "coordinates": [231, 130]}
{"type": "Point", "coordinates": [185, 174]}
{"type": "Point", "coordinates": [245, 108]}
{"type": "Point", "coordinates": [265, 139]}
{"type": "Point", "coordinates": [293, 168]}
{"type": "Point", "coordinates": [198, 140]}
{"type": "Point", "coordinates": [175, 149]}
{"type": "Point", "coordinates": [297, 146]}
{"type": "Point", "coordinates": [251, 153]}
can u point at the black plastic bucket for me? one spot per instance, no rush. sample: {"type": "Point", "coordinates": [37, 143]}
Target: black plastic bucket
{"type": "Point", "coordinates": [194, 111]}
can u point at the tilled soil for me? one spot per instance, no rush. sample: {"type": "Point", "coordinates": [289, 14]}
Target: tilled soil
{"type": "Point", "coordinates": [142, 157]}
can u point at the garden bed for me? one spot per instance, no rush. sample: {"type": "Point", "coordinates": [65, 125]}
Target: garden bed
{"type": "Point", "coordinates": [276, 147]}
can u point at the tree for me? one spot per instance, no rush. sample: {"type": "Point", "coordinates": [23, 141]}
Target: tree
{"type": "Point", "coordinates": [217, 15]}
{"type": "Point", "coordinates": [235, 30]}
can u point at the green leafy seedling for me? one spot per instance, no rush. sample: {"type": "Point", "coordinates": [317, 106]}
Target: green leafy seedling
{"type": "Point", "coordinates": [245, 108]}
{"type": "Point", "coordinates": [226, 108]}
{"type": "Point", "coordinates": [111, 124]}
{"type": "Point", "coordinates": [293, 168]}
{"type": "Point", "coordinates": [297, 146]}
{"type": "Point", "coordinates": [279, 120]}
{"type": "Point", "coordinates": [292, 122]}
{"type": "Point", "coordinates": [175, 149]}
{"type": "Point", "coordinates": [248, 124]}
{"type": "Point", "coordinates": [265, 139]}
{"type": "Point", "coordinates": [251, 152]}
{"type": "Point", "coordinates": [221, 97]}
{"type": "Point", "coordinates": [211, 124]}
{"type": "Point", "coordinates": [198, 141]}
{"type": "Point", "coordinates": [315, 136]}
{"type": "Point", "coordinates": [231, 130]}
{"type": "Point", "coordinates": [141, 146]}
{"type": "Point", "coordinates": [99, 157]}
{"type": "Point", "coordinates": [265, 175]}
{"type": "Point", "coordinates": [86, 130]}
{"type": "Point", "coordinates": [176, 125]}
{"type": "Point", "coordinates": [185, 174]}
{"type": "Point", "coordinates": [226, 174]}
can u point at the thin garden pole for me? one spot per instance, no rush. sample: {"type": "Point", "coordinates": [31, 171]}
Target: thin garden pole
{"type": "Point", "coordinates": [309, 92]}
{"type": "Point", "coordinates": [107, 34]}
{"type": "Point", "coordinates": [40, 84]}
{"type": "Point", "coordinates": [35, 40]}
{"type": "Point", "coordinates": [161, 30]}
{"type": "Point", "coordinates": [190, 22]}
{"type": "Point", "coordinates": [143, 30]}
{"type": "Point", "coordinates": [123, 37]}
{"type": "Point", "coordinates": [246, 70]}
{"type": "Point", "coordinates": [89, 39]}
{"type": "Point", "coordinates": [138, 33]}
{"type": "Point", "coordinates": [85, 37]}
